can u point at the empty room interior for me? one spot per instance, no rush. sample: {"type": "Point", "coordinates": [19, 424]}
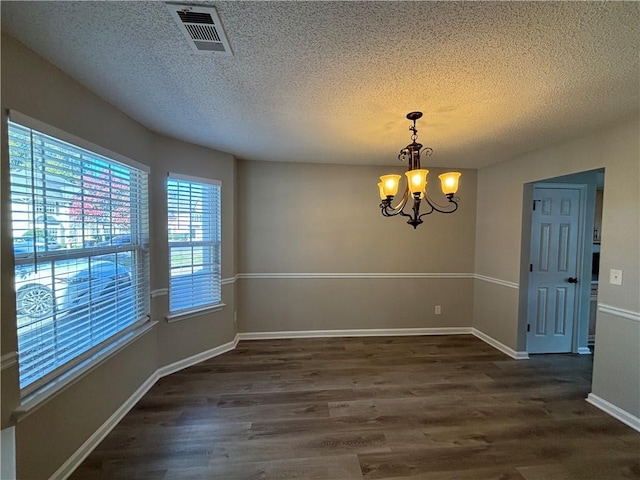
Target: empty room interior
{"type": "Point", "coordinates": [320, 240]}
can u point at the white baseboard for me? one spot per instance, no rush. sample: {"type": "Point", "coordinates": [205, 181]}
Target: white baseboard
{"type": "Point", "coordinates": [92, 442]}
{"type": "Point", "coordinates": [499, 345]}
{"type": "Point", "coordinates": [584, 350]}
{"type": "Point", "coordinates": [365, 332]}
{"type": "Point", "coordinates": [194, 359]}
{"type": "Point", "coordinates": [616, 412]}
{"type": "Point", "coordinates": [100, 434]}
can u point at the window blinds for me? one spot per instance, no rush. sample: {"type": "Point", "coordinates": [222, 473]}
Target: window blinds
{"type": "Point", "coordinates": [194, 242]}
{"type": "Point", "coordinates": [80, 240]}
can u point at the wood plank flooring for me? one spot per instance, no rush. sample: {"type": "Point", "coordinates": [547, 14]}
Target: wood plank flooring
{"type": "Point", "coordinates": [393, 408]}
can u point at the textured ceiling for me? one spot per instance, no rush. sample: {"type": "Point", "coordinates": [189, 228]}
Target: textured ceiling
{"type": "Point", "coordinates": [333, 81]}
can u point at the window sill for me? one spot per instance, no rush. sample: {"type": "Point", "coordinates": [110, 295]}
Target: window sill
{"type": "Point", "coordinates": [194, 312]}
{"type": "Point", "coordinates": [36, 399]}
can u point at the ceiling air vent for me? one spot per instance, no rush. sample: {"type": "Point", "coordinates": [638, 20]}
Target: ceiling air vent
{"type": "Point", "coordinates": [202, 28]}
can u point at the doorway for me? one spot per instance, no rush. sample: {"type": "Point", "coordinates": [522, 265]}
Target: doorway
{"type": "Point", "coordinates": [561, 230]}
{"type": "Point", "coordinates": [553, 267]}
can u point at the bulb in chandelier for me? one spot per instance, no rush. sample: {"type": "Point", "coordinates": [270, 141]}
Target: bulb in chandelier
{"type": "Point", "coordinates": [449, 182]}
{"type": "Point", "coordinates": [417, 180]}
{"type": "Point", "coordinates": [390, 184]}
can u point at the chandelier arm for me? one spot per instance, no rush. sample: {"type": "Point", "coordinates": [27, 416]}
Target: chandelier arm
{"type": "Point", "coordinates": [387, 211]}
{"type": "Point", "coordinates": [401, 212]}
{"type": "Point", "coordinates": [439, 208]}
{"type": "Point", "coordinates": [428, 212]}
{"type": "Point", "coordinates": [390, 211]}
{"type": "Point", "coordinates": [403, 200]}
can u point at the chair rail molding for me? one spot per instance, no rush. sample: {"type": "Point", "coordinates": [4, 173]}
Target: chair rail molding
{"type": "Point", "coordinates": [8, 360]}
{"type": "Point", "coordinates": [619, 312]}
{"type": "Point", "coordinates": [347, 275]}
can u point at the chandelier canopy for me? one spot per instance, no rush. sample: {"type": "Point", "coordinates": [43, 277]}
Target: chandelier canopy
{"type": "Point", "coordinates": [416, 183]}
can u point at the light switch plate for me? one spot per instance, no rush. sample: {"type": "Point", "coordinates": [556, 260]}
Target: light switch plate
{"type": "Point", "coordinates": [615, 277]}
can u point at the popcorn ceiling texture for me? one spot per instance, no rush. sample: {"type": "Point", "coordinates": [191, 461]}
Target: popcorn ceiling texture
{"type": "Point", "coordinates": [333, 81]}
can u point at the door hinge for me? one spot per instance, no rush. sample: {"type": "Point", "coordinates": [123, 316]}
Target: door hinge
{"type": "Point", "coordinates": [531, 267]}
{"type": "Point", "coordinates": [528, 327]}
{"type": "Point", "coordinates": [534, 205]}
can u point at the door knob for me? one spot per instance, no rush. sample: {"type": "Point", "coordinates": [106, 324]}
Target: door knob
{"type": "Point", "coordinates": [572, 280]}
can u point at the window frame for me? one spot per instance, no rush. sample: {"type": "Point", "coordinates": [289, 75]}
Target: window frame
{"type": "Point", "coordinates": [64, 373]}
{"type": "Point", "coordinates": [215, 231]}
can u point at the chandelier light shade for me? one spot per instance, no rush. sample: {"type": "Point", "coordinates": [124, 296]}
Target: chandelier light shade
{"type": "Point", "coordinates": [417, 180]}
{"type": "Point", "coordinates": [416, 188]}
{"type": "Point", "coordinates": [449, 182]}
{"type": "Point", "coordinates": [390, 184]}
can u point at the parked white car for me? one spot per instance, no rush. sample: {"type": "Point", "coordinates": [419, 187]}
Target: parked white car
{"type": "Point", "coordinates": [65, 285]}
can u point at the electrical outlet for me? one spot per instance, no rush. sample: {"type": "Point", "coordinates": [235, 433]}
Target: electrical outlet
{"type": "Point", "coordinates": [615, 277]}
{"type": "Point", "coordinates": [438, 309]}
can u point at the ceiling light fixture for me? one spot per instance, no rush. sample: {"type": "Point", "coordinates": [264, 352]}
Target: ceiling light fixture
{"type": "Point", "coordinates": [416, 183]}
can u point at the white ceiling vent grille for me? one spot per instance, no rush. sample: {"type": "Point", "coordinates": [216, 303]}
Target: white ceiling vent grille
{"type": "Point", "coordinates": [202, 28]}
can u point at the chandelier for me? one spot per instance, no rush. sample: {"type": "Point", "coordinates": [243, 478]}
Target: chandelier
{"type": "Point", "coordinates": [416, 183]}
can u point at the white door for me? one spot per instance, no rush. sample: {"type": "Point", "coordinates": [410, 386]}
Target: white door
{"type": "Point", "coordinates": [553, 269]}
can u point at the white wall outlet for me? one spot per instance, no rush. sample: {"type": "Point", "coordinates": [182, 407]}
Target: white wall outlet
{"type": "Point", "coordinates": [438, 309]}
{"type": "Point", "coordinates": [615, 277]}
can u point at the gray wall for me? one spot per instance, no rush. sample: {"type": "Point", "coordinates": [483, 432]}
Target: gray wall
{"type": "Point", "coordinates": [616, 376]}
{"type": "Point", "coordinates": [36, 88]}
{"type": "Point", "coordinates": [297, 220]}
{"type": "Point", "coordinates": [185, 338]}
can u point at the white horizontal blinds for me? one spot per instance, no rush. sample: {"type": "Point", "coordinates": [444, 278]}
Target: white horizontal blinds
{"type": "Point", "coordinates": [80, 238]}
{"type": "Point", "coordinates": [194, 243]}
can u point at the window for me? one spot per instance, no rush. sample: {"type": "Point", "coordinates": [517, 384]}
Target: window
{"type": "Point", "coordinates": [194, 243]}
{"type": "Point", "coordinates": [78, 285]}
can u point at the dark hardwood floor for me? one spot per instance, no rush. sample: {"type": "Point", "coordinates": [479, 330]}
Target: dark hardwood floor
{"type": "Point", "coordinates": [437, 407]}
